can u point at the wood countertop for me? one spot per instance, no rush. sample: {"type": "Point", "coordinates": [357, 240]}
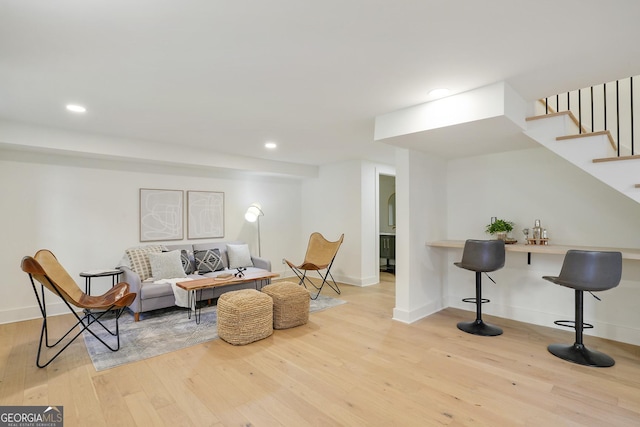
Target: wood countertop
{"type": "Point", "coordinates": [627, 253]}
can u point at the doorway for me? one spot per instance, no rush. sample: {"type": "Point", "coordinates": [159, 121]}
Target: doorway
{"type": "Point", "coordinates": [387, 223]}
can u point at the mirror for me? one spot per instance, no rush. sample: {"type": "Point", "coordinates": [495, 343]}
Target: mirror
{"type": "Point", "coordinates": [392, 209]}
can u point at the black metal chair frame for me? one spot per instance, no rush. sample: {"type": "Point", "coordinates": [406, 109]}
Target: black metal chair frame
{"type": "Point", "coordinates": [302, 275]}
{"type": "Point", "coordinates": [317, 259]}
{"type": "Point", "coordinates": [88, 319]}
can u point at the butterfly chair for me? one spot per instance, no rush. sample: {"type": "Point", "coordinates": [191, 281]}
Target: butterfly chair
{"type": "Point", "coordinates": [45, 268]}
{"type": "Point", "coordinates": [320, 255]}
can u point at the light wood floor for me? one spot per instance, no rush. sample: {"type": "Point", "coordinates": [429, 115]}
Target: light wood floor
{"type": "Point", "coordinates": [350, 365]}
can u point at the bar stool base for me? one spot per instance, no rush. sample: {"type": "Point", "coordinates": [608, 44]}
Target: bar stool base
{"type": "Point", "coordinates": [478, 327]}
{"type": "Point", "coordinates": [578, 353]}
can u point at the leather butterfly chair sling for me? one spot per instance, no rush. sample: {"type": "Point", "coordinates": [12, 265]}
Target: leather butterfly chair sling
{"type": "Point", "coordinates": [45, 268]}
{"type": "Point", "coordinates": [320, 256]}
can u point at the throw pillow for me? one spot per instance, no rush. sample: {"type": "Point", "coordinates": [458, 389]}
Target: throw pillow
{"type": "Point", "coordinates": [208, 261]}
{"type": "Point", "coordinates": [138, 260]}
{"type": "Point", "coordinates": [166, 265]}
{"type": "Point", "coordinates": [188, 263]}
{"type": "Point", "coordinates": [239, 256]}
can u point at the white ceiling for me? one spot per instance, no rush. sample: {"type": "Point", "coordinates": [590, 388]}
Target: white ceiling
{"type": "Point", "coordinates": [311, 76]}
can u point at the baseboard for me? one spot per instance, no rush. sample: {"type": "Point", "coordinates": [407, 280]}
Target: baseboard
{"type": "Point", "coordinates": [610, 331]}
{"type": "Point", "coordinates": [411, 316]}
{"type": "Point", "coordinates": [341, 279]}
{"type": "Point", "coordinates": [31, 312]}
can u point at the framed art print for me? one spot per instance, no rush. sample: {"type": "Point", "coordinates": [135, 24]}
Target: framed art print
{"type": "Point", "coordinates": [161, 215]}
{"type": "Point", "coordinates": [205, 214]}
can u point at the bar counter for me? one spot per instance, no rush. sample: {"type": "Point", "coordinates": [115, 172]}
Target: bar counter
{"type": "Point", "coordinates": [633, 254]}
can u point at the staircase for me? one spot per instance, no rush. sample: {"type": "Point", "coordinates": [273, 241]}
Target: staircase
{"type": "Point", "coordinates": [491, 119]}
{"type": "Point", "coordinates": [594, 152]}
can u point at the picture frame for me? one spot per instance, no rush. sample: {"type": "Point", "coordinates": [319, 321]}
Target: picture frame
{"type": "Point", "coordinates": [205, 214]}
{"type": "Point", "coordinates": [161, 215]}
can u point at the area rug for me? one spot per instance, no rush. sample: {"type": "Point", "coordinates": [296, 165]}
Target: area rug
{"type": "Point", "coordinates": [163, 331]}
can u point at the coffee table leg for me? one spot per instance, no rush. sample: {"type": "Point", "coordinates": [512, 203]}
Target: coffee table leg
{"type": "Point", "coordinates": [197, 310]}
{"type": "Point", "coordinates": [262, 283]}
{"type": "Point", "coordinates": [190, 296]}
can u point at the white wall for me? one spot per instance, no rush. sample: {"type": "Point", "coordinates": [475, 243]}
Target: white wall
{"type": "Point", "coordinates": [576, 209]}
{"type": "Point", "coordinates": [86, 212]}
{"type": "Point", "coordinates": [421, 211]}
{"type": "Point", "coordinates": [344, 199]}
{"type": "Point", "coordinates": [331, 206]}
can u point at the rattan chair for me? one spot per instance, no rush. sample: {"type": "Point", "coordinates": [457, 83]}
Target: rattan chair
{"type": "Point", "coordinates": [319, 257]}
{"type": "Point", "coordinates": [45, 268]}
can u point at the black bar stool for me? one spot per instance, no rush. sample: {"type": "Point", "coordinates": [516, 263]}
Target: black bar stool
{"type": "Point", "coordinates": [585, 271]}
{"type": "Point", "coordinates": [481, 256]}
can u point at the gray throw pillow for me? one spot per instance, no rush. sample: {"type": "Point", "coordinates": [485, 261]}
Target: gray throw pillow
{"type": "Point", "coordinates": [239, 256]}
{"type": "Point", "coordinates": [188, 262]}
{"type": "Point", "coordinates": [166, 265]}
{"type": "Point", "coordinates": [208, 261]}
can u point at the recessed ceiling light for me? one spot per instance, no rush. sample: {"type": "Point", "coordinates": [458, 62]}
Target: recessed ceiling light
{"type": "Point", "coordinates": [76, 108]}
{"type": "Point", "coordinates": [270, 145]}
{"type": "Point", "coordinates": [439, 93]}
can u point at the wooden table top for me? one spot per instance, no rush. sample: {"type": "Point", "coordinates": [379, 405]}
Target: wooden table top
{"type": "Point", "coordinates": [627, 253]}
{"type": "Point", "coordinates": [213, 282]}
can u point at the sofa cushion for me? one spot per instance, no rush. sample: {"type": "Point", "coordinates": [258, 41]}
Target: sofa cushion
{"type": "Point", "coordinates": [239, 256]}
{"type": "Point", "coordinates": [166, 265]}
{"type": "Point", "coordinates": [139, 260]}
{"type": "Point", "coordinates": [208, 260]}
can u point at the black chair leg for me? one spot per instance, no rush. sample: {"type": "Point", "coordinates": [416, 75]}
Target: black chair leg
{"type": "Point", "coordinates": [578, 353]}
{"type": "Point", "coordinates": [478, 327]}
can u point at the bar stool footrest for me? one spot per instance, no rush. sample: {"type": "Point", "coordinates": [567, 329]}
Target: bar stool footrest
{"type": "Point", "coordinates": [572, 324]}
{"type": "Point", "coordinates": [474, 300]}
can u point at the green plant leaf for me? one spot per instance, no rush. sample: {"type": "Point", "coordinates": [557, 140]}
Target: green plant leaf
{"type": "Point", "coordinates": [499, 225]}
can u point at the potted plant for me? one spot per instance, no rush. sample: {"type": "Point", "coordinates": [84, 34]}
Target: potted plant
{"type": "Point", "coordinates": [500, 228]}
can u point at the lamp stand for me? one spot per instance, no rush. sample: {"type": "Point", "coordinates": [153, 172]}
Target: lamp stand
{"type": "Point", "coordinates": [259, 248]}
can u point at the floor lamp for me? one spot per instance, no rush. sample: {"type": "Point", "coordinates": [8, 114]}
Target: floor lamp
{"type": "Point", "coordinates": [253, 214]}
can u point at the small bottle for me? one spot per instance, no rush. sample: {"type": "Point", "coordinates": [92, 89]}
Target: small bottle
{"type": "Point", "coordinates": [537, 232]}
{"type": "Point", "coordinates": [545, 238]}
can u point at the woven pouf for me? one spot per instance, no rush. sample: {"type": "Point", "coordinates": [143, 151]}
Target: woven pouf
{"type": "Point", "coordinates": [290, 304]}
{"type": "Point", "coordinates": [244, 316]}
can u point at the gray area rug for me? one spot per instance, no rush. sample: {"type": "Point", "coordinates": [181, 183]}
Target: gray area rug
{"type": "Point", "coordinates": [162, 331]}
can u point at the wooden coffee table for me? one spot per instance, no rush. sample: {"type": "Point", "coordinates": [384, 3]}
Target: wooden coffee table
{"type": "Point", "coordinates": [194, 286]}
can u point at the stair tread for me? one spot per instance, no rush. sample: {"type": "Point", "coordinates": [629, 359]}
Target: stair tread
{"type": "Point", "coordinates": [587, 134]}
{"type": "Point", "coordinates": [614, 159]}
{"type": "Point", "coordinates": [554, 114]}
{"type": "Point", "coordinates": [583, 135]}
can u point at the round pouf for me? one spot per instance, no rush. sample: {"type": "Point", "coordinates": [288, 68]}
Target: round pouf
{"type": "Point", "coordinates": [290, 304]}
{"type": "Point", "coordinates": [244, 316]}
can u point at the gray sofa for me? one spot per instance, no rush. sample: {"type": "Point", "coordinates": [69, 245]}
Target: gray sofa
{"type": "Point", "coordinates": [153, 296]}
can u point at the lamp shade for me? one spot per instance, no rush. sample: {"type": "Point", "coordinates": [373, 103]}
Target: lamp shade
{"type": "Point", "coordinates": [254, 211]}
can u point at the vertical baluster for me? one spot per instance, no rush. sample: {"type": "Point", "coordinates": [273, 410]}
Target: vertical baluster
{"type": "Point", "coordinates": [631, 101]}
{"type": "Point", "coordinates": [546, 105]}
{"type": "Point", "coordinates": [592, 125]}
{"type": "Point", "coordinates": [618, 114]}
{"type": "Point", "coordinates": [557, 103]}
{"type": "Point", "coordinates": [580, 111]}
{"type": "Point", "coordinates": [568, 102]}
{"type": "Point", "coordinates": [604, 90]}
